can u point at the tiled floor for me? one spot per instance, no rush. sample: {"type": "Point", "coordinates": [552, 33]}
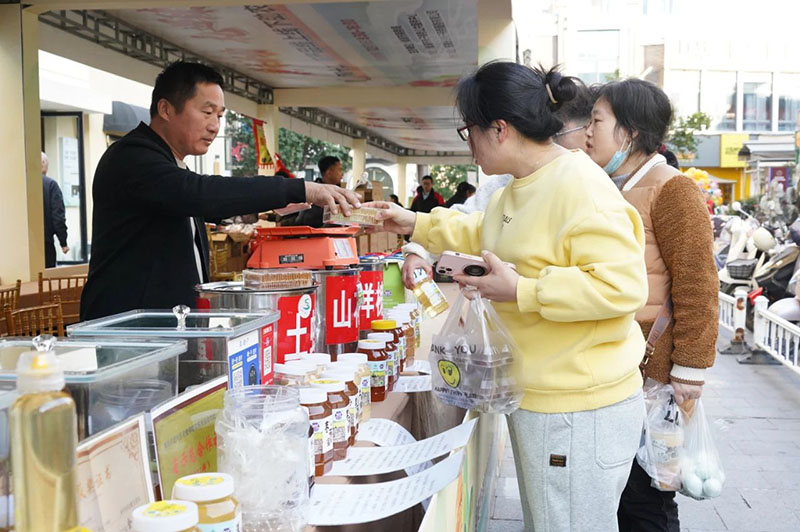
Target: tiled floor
{"type": "Point", "coordinates": [757, 412]}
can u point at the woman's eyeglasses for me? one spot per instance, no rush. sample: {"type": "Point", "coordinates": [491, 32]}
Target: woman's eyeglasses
{"type": "Point", "coordinates": [463, 131]}
{"type": "Point", "coordinates": [571, 130]}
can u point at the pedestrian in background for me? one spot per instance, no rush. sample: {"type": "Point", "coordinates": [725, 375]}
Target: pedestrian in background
{"type": "Point", "coordinates": [629, 122]}
{"type": "Point", "coordinates": [55, 218]}
{"type": "Point", "coordinates": [463, 193]}
{"type": "Point", "coordinates": [575, 114]}
{"type": "Point", "coordinates": [426, 199]}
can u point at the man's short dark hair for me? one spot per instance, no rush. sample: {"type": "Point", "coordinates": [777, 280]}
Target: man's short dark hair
{"type": "Point", "coordinates": [428, 178]}
{"type": "Point", "coordinates": [326, 162]}
{"type": "Point", "coordinates": [178, 83]}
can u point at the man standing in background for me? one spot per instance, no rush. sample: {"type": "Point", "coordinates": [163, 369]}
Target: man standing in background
{"type": "Point", "coordinates": [55, 220]}
{"type": "Point", "coordinates": [426, 198]}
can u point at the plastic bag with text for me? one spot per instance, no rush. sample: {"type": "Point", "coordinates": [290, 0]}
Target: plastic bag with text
{"type": "Point", "coordinates": [701, 468]}
{"type": "Point", "coordinates": [472, 359]}
{"type": "Point", "coordinates": [660, 453]}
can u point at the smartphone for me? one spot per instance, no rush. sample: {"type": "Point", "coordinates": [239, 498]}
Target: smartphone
{"type": "Point", "coordinates": [453, 263]}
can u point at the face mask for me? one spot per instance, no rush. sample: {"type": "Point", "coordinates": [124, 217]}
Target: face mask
{"type": "Point", "coordinates": [618, 158]}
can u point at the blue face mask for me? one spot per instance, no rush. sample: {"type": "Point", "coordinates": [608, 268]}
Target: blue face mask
{"type": "Point", "coordinates": [618, 158]}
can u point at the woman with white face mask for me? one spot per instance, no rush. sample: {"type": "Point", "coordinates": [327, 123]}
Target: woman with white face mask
{"type": "Point", "coordinates": [579, 279]}
{"type": "Point", "coordinates": [629, 123]}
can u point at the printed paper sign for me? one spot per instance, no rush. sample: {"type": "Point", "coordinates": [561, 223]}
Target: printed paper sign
{"type": "Point", "coordinates": [410, 384]}
{"type": "Point", "coordinates": [342, 504]}
{"type": "Point", "coordinates": [364, 461]}
{"type": "Point", "coordinates": [341, 316]}
{"type": "Point", "coordinates": [420, 366]}
{"type": "Point", "coordinates": [372, 305]}
{"type": "Point", "coordinates": [267, 343]}
{"type": "Point", "coordinates": [183, 428]}
{"type": "Point", "coordinates": [113, 476]}
{"type": "Point", "coordinates": [384, 432]}
{"type": "Point", "coordinates": [295, 327]}
{"type": "Point", "coordinates": [244, 367]}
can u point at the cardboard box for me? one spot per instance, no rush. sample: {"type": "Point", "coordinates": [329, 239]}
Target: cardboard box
{"type": "Point", "coordinates": [228, 252]}
{"type": "Point", "coordinates": [363, 244]}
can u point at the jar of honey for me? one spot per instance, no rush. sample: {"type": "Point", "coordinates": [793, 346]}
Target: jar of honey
{"type": "Point", "coordinates": [165, 516]}
{"type": "Point", "coordinates": [393, 351]}
{"type": "Point", "coordinates": [320, 415]}
{"type": "Point", "coordinates": [360, 361]}
{"type": "Point", "coordinates": [213, 495]}
{"type": "Point", "coordinates": [377, 359]}
{"type": "Point", "coordinates": [340, 404]}
{"type": "Point", "coordinates": [348, 376]}
{"type": "Point", "coordinates": [299, 374]}
{"type": "Point", "coordinates": [405, 322]}
{"type": "Point", "coordinates": [392, 327]}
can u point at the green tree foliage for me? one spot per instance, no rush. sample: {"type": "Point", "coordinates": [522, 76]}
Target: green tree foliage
{"type": "Point", "coordinates": [447, 177]}
{"type": "Point", "coordinates": [297, 151]}
{"type": "Point", "coordinates": [682, 137]}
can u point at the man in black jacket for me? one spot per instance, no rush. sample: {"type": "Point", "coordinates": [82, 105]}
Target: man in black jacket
{"type": "Point", "coordinates": [149, 245]}
{"type": "Point", "coordinates": [427, 198]}
{"type": "Point", "coordinates": [55, 220]}
{"type": "Point", "coordinates": [331, 170]}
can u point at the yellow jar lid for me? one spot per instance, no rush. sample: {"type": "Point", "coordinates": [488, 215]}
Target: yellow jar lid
{"type": "Point", "coordinates": [383, 325]}
{"type": "Point", "coordinates": [203, 487]}
{"type": "Point", "coordinates": [165, 516]}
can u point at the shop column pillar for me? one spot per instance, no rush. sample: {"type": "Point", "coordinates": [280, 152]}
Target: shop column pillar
{"type": "Point", "coordinates": [272, 125]}
{"type": "Point", "coordinates": [359, 160]}
{"type": "Point", "coordinates": [21, 218]}
{"type": "Point", "coordinates": [401, 180]}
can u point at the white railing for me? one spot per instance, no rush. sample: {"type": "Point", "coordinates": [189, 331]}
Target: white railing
{"type": "Point", "coordinates": [775, 335]}
{"type": "Point", "coordinates": [727, 305]}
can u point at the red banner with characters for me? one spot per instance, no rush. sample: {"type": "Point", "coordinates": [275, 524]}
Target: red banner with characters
{"type": "Point", "coordinates": [295, 327]}
{"type": "Point", "coordinates": [372, 303]}
{"type": "Point", "coordinates": [341, 314]}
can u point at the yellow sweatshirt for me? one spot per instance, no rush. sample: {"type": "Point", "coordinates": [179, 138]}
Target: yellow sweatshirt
{"type": "Point", "coordinates": [579, 249]}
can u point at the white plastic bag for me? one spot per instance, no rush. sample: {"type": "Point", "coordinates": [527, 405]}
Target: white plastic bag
{"type": "Point", "coordinates": [472, 359]}
{"type": "Point", "coordinates": [702, 475]}
{"type": "Point", "coordinates": [660, 453]}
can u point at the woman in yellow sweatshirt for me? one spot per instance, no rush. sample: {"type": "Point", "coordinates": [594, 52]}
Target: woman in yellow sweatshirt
{"type": "Point", "coordinates": [578, 248]}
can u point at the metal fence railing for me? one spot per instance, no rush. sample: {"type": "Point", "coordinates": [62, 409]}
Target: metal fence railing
{"type": "Point", "coordinates": [775, 335]}
{"type": "Point", "coordinates": [727, 305]}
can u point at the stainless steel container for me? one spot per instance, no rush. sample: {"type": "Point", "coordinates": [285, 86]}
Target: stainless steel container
{"type": "Point", "coordinates": [298, 323]}
{"type": "Point", "coordinates": [337, 309]}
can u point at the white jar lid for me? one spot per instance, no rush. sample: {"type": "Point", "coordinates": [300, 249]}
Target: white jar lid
{"type": "Point", "coordinates": [400, 316]}
{"type": "Point", "coordinates": [342, 374]}
{"type": "Point", "coordinates": [358, 358]}
{"type": "Point", "coordinates": [296, 367]}
{"type": "Point", "coordinates": [203, 487]}
{"type": "Point", "coordinates": [317, 358]}
{"type": "Point", "coordinates": [312, 396]}
{"type": "Point", "coordinates": [371, 344]}
{"type": "Point", "coordinates": [165, 516]}
{"type": "Point", "coordinates": [382, 337]}
{"type": "Point", "coordinates": [329, 385]}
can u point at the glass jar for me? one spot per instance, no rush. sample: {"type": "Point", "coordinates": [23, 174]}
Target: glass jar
{"type": "Point", "coordinates": [320, 415]}
{"type": "Point", "coordinates": [428, 294]}
{"type": "Point", "coordinates": [377, 359]}
{"type": "Point", "coordinates": [262, 442]}
{"type": "Point", "coordinates": [340, 404]}
{"type": "Point", "coordinates": [348, 376]}
{"type": "Point", "coordinates": [294, 374]}
{"type": "Point", "coordinates": [360, 361]}
{"type": "Point", "coordinates": [392, 327]}
{"type": "Point", "coordinates": [213, 495]}
{"type": "Point", "coordinates": [312, 370]}
{"type": "Point", "coordinates": [165, 516]}
{"type": "Point", "coordinates": [405, 322]}
{"type": "Point", "coordinates": [416, 315]}
{"type": "Point", "coordinates": [320, 359]}
{"type": "Point", "coordinates": [392, 350]}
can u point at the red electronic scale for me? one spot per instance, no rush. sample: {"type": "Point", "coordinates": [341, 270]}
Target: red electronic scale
{"type": "Point", "coordinates": [304, 247]}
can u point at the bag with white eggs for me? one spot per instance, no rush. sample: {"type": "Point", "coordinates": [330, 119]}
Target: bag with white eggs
{"type": "Point", "coordinates": [702, 476]}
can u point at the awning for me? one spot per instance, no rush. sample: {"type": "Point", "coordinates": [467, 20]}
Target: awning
{"type": "Point", "coordinates": [124, 118]}
{"type": "Point", "coordinates": [721, 180]}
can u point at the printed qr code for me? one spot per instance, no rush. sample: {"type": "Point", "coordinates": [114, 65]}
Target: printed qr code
{"type": "Point", "coordinates": [238, 378]}
{"type": "Point", "coordinates": [267, 359]}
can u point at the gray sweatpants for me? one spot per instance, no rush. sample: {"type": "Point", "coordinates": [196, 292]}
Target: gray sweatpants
{"type": "Point", "coordinates": [572, 467]}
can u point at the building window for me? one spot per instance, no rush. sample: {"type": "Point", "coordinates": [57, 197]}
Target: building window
{"type": "Point", "coordinates": [684, 91]}
{"type": "Point", "coordinates": [598, 57]}
{"type": "Point", "coordinates": [757, 102]}
{"type": "Point", "coordinates": [719, 99]}
{"type": "Point", "coordinates": [787, 87]}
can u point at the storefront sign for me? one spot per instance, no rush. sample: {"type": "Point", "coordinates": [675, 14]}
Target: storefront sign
{"type": "Point", "coordinates": [295, 327]}
{"type": "Point", "coordinates": [183, 427]}
{"type": "Point", "coordinates": [113, 476]}
{"type": "Point", "coordinates": [729, 146]}
{"type": "Point", "coordinates": [341, 315]}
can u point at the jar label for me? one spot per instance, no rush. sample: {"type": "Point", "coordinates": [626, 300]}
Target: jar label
{"type": "Point", "coordinates": [341, 429]}
{"type": "Point", "coordinates": [435, 296]}
{"type": "Point", "coordinates": [365, 391]}
{"type": "Point", "coordinates": [323, 435]}
{"type": "Point", "coordinates": [402, 347]}
{"type": "Point", "coordinates": [352, 412]}
{"type": "Point", "coordinates": [378, 371]}
{"type": "Point", "coordinates": [234, 525]}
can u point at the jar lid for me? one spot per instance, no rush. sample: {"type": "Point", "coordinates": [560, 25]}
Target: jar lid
{"type": "Point", "coordinates": [329, 385]}
{"type": "Point", "coordinates": [295, 367]}
{"type": "Point", "coordinates": [165, 516]}
{"type": "Point", "coordinates": [383, 325]}
{"type": "Point", "coordinates": [371, 344]}
{"type": "Point", "coordinates": [317, 358]}
{"type": "Point", "coordinates": [342, 374]}
{"type": "Point", "coordinates": [312, 396]}
{"type": "Point", "coordinates": [358, 358]}
{"type": "Point", "coordinates": [399, 315]}
{"type": "Point", "coordinates": [382, 337]}
{"type": "Point", "coordinates": [203, 487]}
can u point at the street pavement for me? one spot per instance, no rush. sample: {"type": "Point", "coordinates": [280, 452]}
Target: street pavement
{"type": "Point", "coordinates": [755, 413]}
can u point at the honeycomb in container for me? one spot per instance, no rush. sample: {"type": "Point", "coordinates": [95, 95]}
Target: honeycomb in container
{"type": "Point", "coordinates": [277, 279]}
{"type": "Point", "coordinates": [363, 216]}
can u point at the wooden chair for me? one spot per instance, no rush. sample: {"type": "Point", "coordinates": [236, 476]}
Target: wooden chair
{"type": "Point", "coordinates": [9, 297]}
{"type": "Point", "coordinates": [44, 319]}
{"type": "Point", "coordinates": [69, 290]}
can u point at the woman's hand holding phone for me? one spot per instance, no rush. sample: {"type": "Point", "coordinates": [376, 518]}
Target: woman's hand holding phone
{"type": "Point", "coordinates": [500, 284]}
